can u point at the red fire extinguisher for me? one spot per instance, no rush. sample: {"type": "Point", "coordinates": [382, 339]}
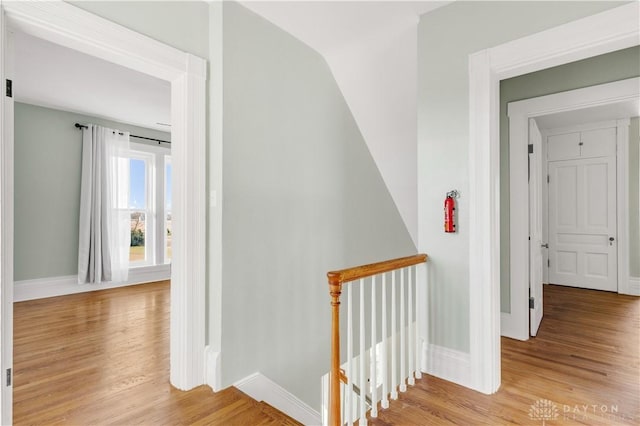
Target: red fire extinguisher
{"type": "Point", "coordinates": [449, 211]}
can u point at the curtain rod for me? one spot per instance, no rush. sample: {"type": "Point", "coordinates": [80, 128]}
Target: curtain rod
{"type": "Point", "coordinates": [82, 126]}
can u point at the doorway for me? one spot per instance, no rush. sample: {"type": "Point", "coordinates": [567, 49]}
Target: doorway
{"type": "Point", "coordinates": [573, 108]}
{"type": "Point", "coordinates": [616, 29]}
{"type": "Point", "coordinates": [69, 26]}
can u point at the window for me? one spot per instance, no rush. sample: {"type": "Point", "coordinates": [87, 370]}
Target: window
{"type": "Point", "coordinates": [149, 205]}
{"type": "Point", "coordinates": [141, 208]}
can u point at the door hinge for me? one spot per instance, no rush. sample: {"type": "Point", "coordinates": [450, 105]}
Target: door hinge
{"type": "Point", "coordinates": [8, 377]}
{"type": "Point", "coordinates": [548, 179]}
{"type": "Point", "coordinates": [532, 303]}
{"type": "Point", "coordinates": [548, 263]}
{"type": "Point", "coordinates": [530, 148]}
{"type": "Point", "coordinates": [9, 88]}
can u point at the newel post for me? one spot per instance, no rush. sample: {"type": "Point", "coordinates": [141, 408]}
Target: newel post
{"type": "Point", "coordinates": [335, 289]}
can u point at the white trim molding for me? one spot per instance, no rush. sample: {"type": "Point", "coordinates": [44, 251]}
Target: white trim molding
{"type": "Point", "coordinates": [614, 29]}
{"type": "Point", "coordinates": [447, 364]}
{"type": "Point", "coordinates": [188, 259]}
{"type": "Point", "coordinates": [215, 186]}
{"type": "Point", "coordinates": [41, 288]}
{"type": "Point", "coordinates": [6, 228]}
{"type": "Point", "coordinates": [515, 324]}
{"type": "Point", "coordinates": [622, 185]}
{"type": "Point", "coordinates": [72, 27]}
{"type": "Point", "coordinates": [634, 286]}
{"type": "Point", "coordinates": [484, 233]}
{"type": "Point", "coordinates": [261, 388]}
{"type": "Point", "coordinates": [212, 368]}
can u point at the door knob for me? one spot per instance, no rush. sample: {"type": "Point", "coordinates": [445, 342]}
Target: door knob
{"type": "Point", "coordinates": [611, 238]}
{"type": "Point", "coordinates": [545, 245]}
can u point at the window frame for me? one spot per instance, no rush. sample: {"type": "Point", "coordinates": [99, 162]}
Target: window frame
{"type": "Point", "coordinates": [155, 158]}
{"type": "Point", "coordinates": [166, 161]}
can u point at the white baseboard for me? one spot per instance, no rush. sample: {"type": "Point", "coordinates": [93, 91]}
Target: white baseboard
{"type": "Point", "coordinates": [61, 286]}
{"type": "Point", "coordinates": [634, 286]}
{"type": "Point", "coordinates": [261, 388]}
{"type": "Point", "coordinates": [447, 364]}
{"type": "Point", "coordinates": [212, 369]}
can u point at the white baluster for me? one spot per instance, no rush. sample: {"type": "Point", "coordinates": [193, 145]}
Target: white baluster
{"type": "Point", "coordinates": [363, 379]}
{"type": "Point", "coordinates": [394, 340]}
{"type": "Point", "coordinates": [411, 336]}
{"type": "Point", "coordinates": [349, 399]}
{"type": "Point", "coordinates": [384, 402]}
{"type": "Point", "coordinates": [403, 370]}
{"type": "Point", "coordinates": [374, 365]}
{"type": "Point", "coordinates": [420, 295]}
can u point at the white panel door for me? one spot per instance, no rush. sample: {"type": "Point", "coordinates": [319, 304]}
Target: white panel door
{"type": "Point", "coordinates": [598, 143]}
{"type": "Point", "coordinates": [563, 147]}
{"type": "Point", "coordinates": [582, 223]}
{"type": "Point", "coordinates": [535, 228]}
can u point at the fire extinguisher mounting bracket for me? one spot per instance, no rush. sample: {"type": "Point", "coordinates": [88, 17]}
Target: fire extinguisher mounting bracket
{"type": "Point", "coordinates": [453, 193]}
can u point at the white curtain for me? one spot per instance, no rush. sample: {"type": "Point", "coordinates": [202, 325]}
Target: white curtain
{"type": "Point", "coordinates": [105, 221]}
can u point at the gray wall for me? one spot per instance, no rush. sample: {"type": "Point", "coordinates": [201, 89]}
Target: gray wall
{"type": "Point", "coordinates": [634, 198]}
{"type": "Point", "coordinates": [446, 37]}
{"type": "Point", "coordinates": [181, 24]}
{"type": "Point", "coordinates": [48, 155]}
{"type": "Point", "coordinates": [302, 196]}
{"type": "Point", "coordinates": [602, 69]}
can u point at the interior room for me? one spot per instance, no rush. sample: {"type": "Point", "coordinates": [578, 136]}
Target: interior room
{"type": "Point", "coordinates": [55, 88]}
{"type": "Point", "coordinates": [328, 213]}
{"type": "Point", "coordinates": [58, 93]}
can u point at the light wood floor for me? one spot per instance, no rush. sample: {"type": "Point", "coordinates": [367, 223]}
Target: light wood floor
{"type": "Point", "coordinates": [103, 358]}
{"type": "Point", "coordinates": [585, 360]}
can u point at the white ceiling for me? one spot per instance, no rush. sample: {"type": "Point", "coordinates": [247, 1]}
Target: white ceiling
{"type": "Point", "coordinates": [629, 108]}
{"type": "Point", "coordinates": [331, 26]}
{"type": "Point", "coordinates": [53, 76]}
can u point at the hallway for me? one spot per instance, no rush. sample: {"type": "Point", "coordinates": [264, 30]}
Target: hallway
{"type": "Point", "coordinates": [585, 361]}
{"type": "Point", "coordinates": [102, 358]}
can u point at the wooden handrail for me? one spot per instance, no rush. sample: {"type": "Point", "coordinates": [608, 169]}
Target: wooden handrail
{"type": "Point", "coordinates": [336, 279]}
{"type": "Point", "coordinates": [364, 271]}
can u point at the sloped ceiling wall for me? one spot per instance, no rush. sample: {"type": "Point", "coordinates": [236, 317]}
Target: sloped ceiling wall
{"type": "Point", "coordinates": [371, 49]}
{"type": "Point", "coordinates": [302, 196]}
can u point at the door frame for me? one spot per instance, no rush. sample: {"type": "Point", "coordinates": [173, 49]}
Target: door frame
{"type": "Point", "coordinates": [515, 323]}
{"type": "Point", "coordinates": [77, 29]}
{"type": "Point", "coordinates": [614, 29]}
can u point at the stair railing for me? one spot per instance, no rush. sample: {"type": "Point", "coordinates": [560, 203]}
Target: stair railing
{"type": "Point", "coordinates": [408, 350]}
